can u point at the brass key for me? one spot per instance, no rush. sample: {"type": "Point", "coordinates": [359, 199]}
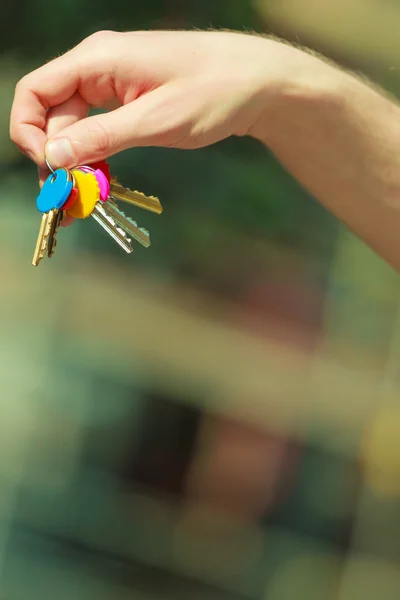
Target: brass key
{"type": "Point", "coordinates": [119, 192]}
{"type": "Point", "coordinates": [46, 225]}
{"type": "Point", "coordinates": [52, 241]}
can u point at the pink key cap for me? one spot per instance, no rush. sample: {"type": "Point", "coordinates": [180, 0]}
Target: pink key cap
{"type": "Point", "coordinates": [102, 180]}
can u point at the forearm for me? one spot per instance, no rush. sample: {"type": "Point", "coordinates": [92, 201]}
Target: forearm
{"type": "Point", "coordinates": [341, 139]}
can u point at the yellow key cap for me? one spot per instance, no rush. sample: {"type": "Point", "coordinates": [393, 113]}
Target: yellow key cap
{"type": "Point", "coordinates": [88, 195]}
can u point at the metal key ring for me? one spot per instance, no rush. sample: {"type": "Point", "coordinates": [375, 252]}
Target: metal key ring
{"type": "Point", "coordinates": [86, 168]}
{"type": "Point", "coordinates": [49, 165]}
{"type": "Point", "coordinates": [69, 173]}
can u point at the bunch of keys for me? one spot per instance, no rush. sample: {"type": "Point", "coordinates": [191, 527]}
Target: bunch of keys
{"type": "Point", "coordinates": [89, 191]}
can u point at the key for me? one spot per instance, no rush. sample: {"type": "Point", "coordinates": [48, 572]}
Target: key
{"type": "Point", "coordinates": [71, 199]}
{"type": "Point", "coordinates": [88, 194]}
{"type": "Point", "coordinates": [103, 166]}
{"type": "Point", "coordinates": [110, 226]}
{"type": "Point", "coordinates": [119, 192]}
{"type": "Point", "coordinates": [140, 234]}
{"type": "Point", "coordinates": [55, 191]}
{"type": "Point", "coordinates": [53, 195]}
{"type": "Point", "coordinates": [52, 241]}
{"type": "Point", "coordinates": [46, 225]}
{"type": "Point", "coordinates": [104, 184]}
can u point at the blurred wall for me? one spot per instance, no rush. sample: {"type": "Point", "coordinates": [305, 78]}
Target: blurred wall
{"type": "Point", "coordinates": [216, 416]}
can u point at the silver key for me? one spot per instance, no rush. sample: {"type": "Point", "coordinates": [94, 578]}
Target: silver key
{"type": "Point", "coordinates": [140, 234]}
{"type": "Point", "coordinates": [110, 226]}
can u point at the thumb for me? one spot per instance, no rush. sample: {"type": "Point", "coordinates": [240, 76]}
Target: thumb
{"type": "Point", "coordinates": [139, 123]}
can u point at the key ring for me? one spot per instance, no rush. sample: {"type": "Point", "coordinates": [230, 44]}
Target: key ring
{"type": "Point", "coordinates": [49, 165]}
{"type": "Point", "coordinates": [69, 173]}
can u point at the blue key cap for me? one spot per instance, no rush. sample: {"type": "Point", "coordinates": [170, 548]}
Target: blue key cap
{"type": "Point", "coordinates": [55, 191]}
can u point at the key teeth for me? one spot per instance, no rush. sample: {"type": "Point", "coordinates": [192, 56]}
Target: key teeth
{"type": "Point", "coordinates": [113, 223]}
{"type": "Point", "coordinates": [123, 241]}
{"type": "Point", "coordinates": [134, 223]}
{"type": "Point", "coordinates": [53, 249]}
{"type": "Point", "coordinates": [143, 195]}
{"type": "Point", "coordinates": [119, 190]}
{"type": "Point", "coordinates": [43, 237]}
{"type": "Point", "coordinates": [54, 228]}
{"type": "Point", "coordinates": [119, 216]}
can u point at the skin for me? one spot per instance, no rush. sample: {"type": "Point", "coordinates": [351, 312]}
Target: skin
{"type": "Point", "coordinates": [335, 133]}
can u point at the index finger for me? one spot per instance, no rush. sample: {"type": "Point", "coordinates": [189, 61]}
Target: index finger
{"type": "Point", "coordinates": [48, 86]}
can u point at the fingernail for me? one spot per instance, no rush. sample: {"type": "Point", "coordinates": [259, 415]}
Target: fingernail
{"type": "Point", "coordinates": [60, 153]}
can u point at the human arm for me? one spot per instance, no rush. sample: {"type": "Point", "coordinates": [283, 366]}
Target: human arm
{"type": "Point", "coordinates": [340, 137]}
{"type": "Point", "coordinates": [337, 135]}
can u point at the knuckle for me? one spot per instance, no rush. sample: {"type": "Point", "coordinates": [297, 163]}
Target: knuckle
{"type": "Point", "coordinates": [100, 38]}
{"type": "Point", "coordinates": [14, 134]}
{"type": "Point", "coordinates": [22, 84]}
{"type": "Point", "coordinates": [98, 46]}
{"type": "Point", "coordinates": [102, 140]}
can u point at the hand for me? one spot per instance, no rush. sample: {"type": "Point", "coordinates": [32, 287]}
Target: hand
{"type": "Point", "coordinates": [339, 137]}
{"type": "Point", "coordinates": [171, 89]}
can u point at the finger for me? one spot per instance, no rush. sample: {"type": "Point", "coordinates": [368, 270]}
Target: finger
{"type": "Point", "coordinates": [58, 118]}
{"type": "Point", "coordinates": [155, 119]}
{"type": "Point", "coordinates": [42, 89]}
{"type": "Point", "coordinates": [65, 114]}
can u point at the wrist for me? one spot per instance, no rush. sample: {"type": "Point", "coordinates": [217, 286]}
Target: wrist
{"type": "Point", "coordinates": [301, 86]}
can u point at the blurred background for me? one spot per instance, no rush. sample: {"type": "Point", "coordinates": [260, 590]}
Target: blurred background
{"type": "Point", "coordinates": [217, 416]}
